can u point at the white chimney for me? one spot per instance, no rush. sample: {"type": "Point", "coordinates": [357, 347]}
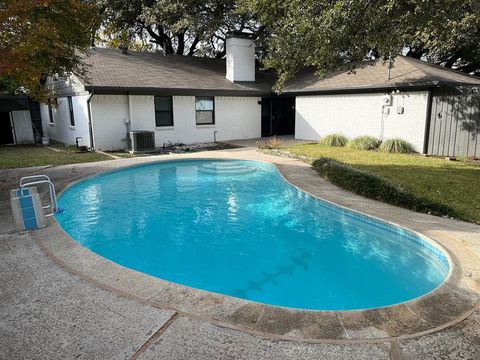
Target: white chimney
{"type": "Point", "coordinates": [240, 57]}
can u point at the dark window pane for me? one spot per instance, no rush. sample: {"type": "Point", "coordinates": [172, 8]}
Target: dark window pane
{"type": "Point", "coordinates": [204, 117]}
{"type": "Point", "coordinates": [163, 111]}
{"type": "Point", "coordinates": [163, 103]}
{"type": "Point", "coordinates": [70, 108]}
{"type": "Point", "coordinates": [50, 114]}
{"type": "Point", "coordinates": [163, 118]}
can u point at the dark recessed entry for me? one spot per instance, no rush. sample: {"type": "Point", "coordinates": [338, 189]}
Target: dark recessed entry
{"type": "Point", "coordinates": [278, 116]}
{"type": "Point", "coordinates": [6, 133]}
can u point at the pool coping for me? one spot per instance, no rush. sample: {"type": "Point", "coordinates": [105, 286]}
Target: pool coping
{"type": "Point", "coordinates": [448, 304]}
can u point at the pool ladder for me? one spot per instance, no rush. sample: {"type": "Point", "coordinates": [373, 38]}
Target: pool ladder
{"type": "Point", "coordinates": [28, 181]}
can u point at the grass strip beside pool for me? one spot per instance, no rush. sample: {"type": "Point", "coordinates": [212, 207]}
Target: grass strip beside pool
{"type": "Point", "coordinates": [19, 156]}
{"type": "Point", "coordinates": [452, 185]}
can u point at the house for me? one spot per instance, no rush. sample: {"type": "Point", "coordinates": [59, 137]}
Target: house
{"type": "Point", "coordinates": [20, 120]}
{"type": "Point", "coordinates": [181, 99]}
{"type": "Point", "coordinates": [433, 108]}
{"type": "Point", "coordinates": [190, 100]}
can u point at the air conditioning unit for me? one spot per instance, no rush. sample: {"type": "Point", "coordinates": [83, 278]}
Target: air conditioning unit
{"type": "Point", "coordinates": [387, 100]}
{"type": "Point", "coordinates": [141, 140]}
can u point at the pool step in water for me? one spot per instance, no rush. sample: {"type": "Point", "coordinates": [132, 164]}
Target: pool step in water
{"type": "Point", "coordinates": [227, 168]}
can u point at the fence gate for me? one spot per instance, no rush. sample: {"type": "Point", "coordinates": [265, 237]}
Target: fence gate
{"type": "Point", "coordinates": [455, 122]}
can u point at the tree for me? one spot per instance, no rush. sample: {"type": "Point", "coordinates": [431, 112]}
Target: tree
{"type": "Point", "coordinates": [189, 27]}
{"type": "Point", "coordinates": [332, 34]}
{"type": "Point", "coordinates": [42, 38]}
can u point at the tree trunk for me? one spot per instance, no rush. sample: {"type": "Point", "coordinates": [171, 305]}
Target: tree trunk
{"type": "Point", "coordinates": [193, 46]}
{"type": "Point", "coordinates": [181, 42]}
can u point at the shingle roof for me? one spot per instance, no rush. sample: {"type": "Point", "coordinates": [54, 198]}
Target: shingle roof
{"type": "Point", "coordinates": [406, 72]}
{"type": "Point", "coordinates": [110, 69]}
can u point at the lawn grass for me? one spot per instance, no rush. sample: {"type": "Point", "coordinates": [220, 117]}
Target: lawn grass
{"type": "Point", "coordinates": [453, 184]}
{"type": "Point", "coordinates": [18, 156]}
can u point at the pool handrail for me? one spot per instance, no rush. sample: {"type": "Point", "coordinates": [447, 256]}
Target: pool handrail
{"type": "Point", "coordinates": [28, 181]}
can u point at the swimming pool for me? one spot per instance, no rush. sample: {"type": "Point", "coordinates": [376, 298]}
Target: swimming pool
{"type": "Point", "coordinates": [239, 229]}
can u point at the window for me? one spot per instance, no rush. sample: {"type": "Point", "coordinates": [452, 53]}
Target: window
{"type": "Point", "coordinates": [163, 111]}
{"type": "Point", "coordinates": [70, 109]}
{"type": "Point", "coordinates": [205, 110]}
{"type": "Point", "coordinates": [50, 113]}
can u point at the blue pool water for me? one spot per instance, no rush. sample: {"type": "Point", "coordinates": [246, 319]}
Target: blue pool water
{"type": "Point", "coordinates": [238, 228]}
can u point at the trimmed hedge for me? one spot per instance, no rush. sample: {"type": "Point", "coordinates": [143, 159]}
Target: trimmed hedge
{"type": "Point", "coordinates": [363, 143]}
{"type": "Point", "coordinates": [333, 140]}
{"type": "Point", "coordinates": [375, 187]}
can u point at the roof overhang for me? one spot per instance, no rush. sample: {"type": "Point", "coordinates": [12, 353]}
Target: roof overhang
{"type": "Point", "coordinates": [115, 90]}
{"type": "Point", "coordinates": [13, 103]}
{"type": "Point", "coordinates": [378, 89]}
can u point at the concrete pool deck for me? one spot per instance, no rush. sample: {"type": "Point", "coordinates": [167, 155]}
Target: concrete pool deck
{"type": "Point", "coordinates": [60, 300]}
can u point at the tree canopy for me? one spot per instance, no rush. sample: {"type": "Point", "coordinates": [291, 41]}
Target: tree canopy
{"type": "Point", "coordinates": [188, 27]}
{"type": "Point", "coordinates": [330, 34]}
{"type": "Point", "coordinates": [41, 38]}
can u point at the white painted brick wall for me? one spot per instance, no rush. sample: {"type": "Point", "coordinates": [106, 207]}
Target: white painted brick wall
{"type": "Point", "coordinates": [361, 114]}
{"type": "Point", "coordinates": [61, 129]}
{"type": "Point", "coordinates": [235, 118]}
{"type": "Point", "coordinates": [108, 121]}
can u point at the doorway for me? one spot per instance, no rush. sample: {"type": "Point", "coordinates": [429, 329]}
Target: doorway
{"type": "Point", "coordinates": [6, 131]}
{"type": "Point", "coordinates": [278, 116]}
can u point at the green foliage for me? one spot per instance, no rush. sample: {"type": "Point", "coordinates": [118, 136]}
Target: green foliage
{"type": "Point", "coordinates": [8, 86]}
{"type": "Point", "coordinates": [41, 38]}
{"type": "Point", "coordinates": [334, 140]}
{"type": "Point", "coordinates": [439, 181]}
{"type": "Point", "coordinates": [364, 143]}
{"type": "Point", "coordinates": [18, 156]}
{"type": "Point", "coordinates": [183, 27]}
{"type": "Point", "coordinates": [375, 187]}
{"type": "Point", "coordinates": [395, 146]}
{"type": "Point", "coordinates": [330, 35]}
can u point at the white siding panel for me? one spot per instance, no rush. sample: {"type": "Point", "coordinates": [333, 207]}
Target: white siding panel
{"type": "Point", "coordinates": [108, 121]}
{"type": "Point", "coordinates": [23, 127]}
{"type": "Point", "coordinates": [361, 114]}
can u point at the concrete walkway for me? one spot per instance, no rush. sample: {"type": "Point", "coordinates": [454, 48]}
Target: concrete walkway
{"type": "Point", "coordinates": [49, 313]}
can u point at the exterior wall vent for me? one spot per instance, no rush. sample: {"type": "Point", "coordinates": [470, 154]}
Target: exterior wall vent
{"type": "Point", "coordinates": [141, 140]}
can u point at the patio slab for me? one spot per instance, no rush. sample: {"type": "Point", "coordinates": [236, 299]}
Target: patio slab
{"type": "Point", "coordinates": [193, 339]}
{"type": "Point", "coordinates": [46, 313]}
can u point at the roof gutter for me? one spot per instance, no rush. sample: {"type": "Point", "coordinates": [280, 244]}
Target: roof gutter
{"type": "Point", "coordinates": [114, 90]}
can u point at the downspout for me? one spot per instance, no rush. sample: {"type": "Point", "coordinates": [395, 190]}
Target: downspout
{"type": "Point", "coordinates": [426, 136]}
{"type": "Point", "coordinates": [90, 127]}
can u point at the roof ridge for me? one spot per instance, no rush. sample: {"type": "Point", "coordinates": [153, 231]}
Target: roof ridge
{"type": "Point", "coordinates": [413, 63]}
{"type": "Point", "coordinates": [425, 64]}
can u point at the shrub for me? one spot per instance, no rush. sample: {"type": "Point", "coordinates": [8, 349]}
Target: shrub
{"type": "Point", "coordinates": [374, 187]}
{"type": "Point", "coordinates": [272, 143]}
{"type": "Point", "coordinates": [396, 146]}
{"type": "Point", "coordinates": [364, 143]}
{"type": "Point", "coordinates": [334, 140]}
